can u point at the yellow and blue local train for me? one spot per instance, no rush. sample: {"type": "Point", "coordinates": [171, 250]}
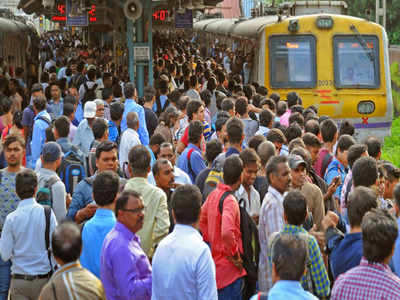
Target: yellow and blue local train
{"type": "Point", "coordinates": [338, 63]}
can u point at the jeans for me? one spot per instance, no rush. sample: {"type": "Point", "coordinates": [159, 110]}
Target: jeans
{"type": "Point", "coordinates": [5, 275]}
{"type": "Point", "coordinates": [232, 291]}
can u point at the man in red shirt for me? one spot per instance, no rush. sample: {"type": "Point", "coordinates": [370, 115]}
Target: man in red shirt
{"type": "Point", "coordinates": [222, 231]}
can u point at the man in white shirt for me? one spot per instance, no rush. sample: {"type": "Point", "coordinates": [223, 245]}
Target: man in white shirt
{"type": "Point", "coordinates": [129, 139]}
{"type": "Point", "coordinates": [23, 240]}
{"type": "Point", "coordinates": [182, 264]}
{"type": "Point", "coordinates": [247, 195]}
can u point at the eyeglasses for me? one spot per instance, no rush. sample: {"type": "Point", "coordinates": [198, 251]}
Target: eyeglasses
{"type": "Point", "coordinates": [136, 210]}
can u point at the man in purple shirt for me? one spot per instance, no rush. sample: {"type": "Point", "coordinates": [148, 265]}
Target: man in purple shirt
{"type": "Point", "coordinates": [124, 268]}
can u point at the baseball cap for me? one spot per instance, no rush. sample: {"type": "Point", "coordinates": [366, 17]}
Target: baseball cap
{"type": "Point", "coordinates": [295, 161]}
{"type": "Point", "coordinates": [90, 67]}
{"type": "Point", "coordinates": [51, 151]}
{"type": "Point", "coordinates": [90, 109]}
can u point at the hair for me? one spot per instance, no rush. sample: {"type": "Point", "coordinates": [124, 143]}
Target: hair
{"type": "Point", "coordinates": [157, 139]}
{"type": "Point", "coordinates": [354, 153]}
{"type": "Point", "coordinates": [361, 200]}
{"type": "Point", "coordinates": [345, 142]}
{"type": "Point", "coordinates": [256, 140]}
{"type": "Point", "coordinates": [5, 104]}
{"type": "Point", "coordinates": [233, 167]}
{"type": "Point", "coordinates": [61, 124]}
{"type": "Point", "coordinates": [295, 207]}
{"type": "Point", "coordinates": [91, 74]}
{"type": "Point", "coordinates": [292, 99]}
{"type": "Point", "coordinates": [328, 130]}
{"type": "Point", "coordinates": [296, 143]}
{"type": "Point", "coordinates": [149, 93]}
{"type": "Point", "coordinates": [234, 129]}
{"type": "Point", "coordinates": [346, 128]}
{"type": "Point", "coordinates": [249, 156]}
{"type": "Point", "coordinates": [68, 109]}
{"type": "Point", "coordinates": [365, 171]}
{"type": "Point", "coordinates": [262, 90]}
{"type": "Point", "coordinates": [157, 165]}
{"type": "Point", "coordinates": [66, 242]}
{"type": "Point", "coordinates": [192, 107]}
{"type": "Point", "coordinates": [392, 172]}
{"type": "Point", "coordinates": [26, 183]}
{"type": "Point", "coordinates": [99, 128]}
{"type": "Point", "coordinates": [379, 232]}
{"type": "Point", "coordinates": [374, 146]}
{"type": "Point", "coordinates": [106, 93]}
{"type": "Point", "coordinates": [281, 107]}
{"type": "Point", "coordinates": [396, 194]}
{"type": "Point", "coordinates": [272, 165]}
{"type": "Point", "coordinates": [132, 120]}
{"type": "Point", "coordinates": [296, 118]}
{"type": "Point", "coordinates": [292, 132]}
{"type": "Point", "coordinates": [220, 122]}
{"type": "Point", "coordinates": [129, 90]}
{"type": "Point", "coordinates": [186, 204]}
{"type": "Point", "coordinates": [139, 159]}
{"type": "Point", "coordinates": [213, 149]}
{"type": "Point", "coordinates": [276, 97]}
{"type": "Point", "coordinates": [105, 188]}
{"type": "Point", "coordinates": [116, 111]}
{"type": "Point", "coordinates": [265, 151]}
{"type": "Point", "coordinates": [227, 104]}
{"type": "Point", "coordinates": [11, 138]}
{"type": "Point", "coordinates": [39, 103]}
{"type": "Point", "coordinates": [311, 140]}
{"type": "Point", "coordinates": [206, 97]}
{"type": "Point", "coordinates": [312, 126]}
{"type": "Point", "coordinates": [289, 255]}
{"type": "Point", "coordinates": [276, 135]}
{"type": "Point", "coordinates": [122, 200]}
{"type": "Point", "coordinates": [105, 146]}
{"type": "Point", "coordinates": [266, 117]}
{"type": "Point", "coordinates": [195, 132]}
{"type": "Point", "coordinates": [241, 106]}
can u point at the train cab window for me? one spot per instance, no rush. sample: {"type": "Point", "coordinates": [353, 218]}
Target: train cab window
{"type": "Point", "coordinates": [356, 61]}
{"type": "Point", "coordinates": [292, 61]}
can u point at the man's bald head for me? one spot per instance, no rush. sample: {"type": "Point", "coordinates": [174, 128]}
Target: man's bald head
{"type": "Point", "coordinates": [132, 120]}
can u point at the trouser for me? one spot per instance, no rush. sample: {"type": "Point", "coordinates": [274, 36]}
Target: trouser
{"type": "Point", "coordinates": [26, 289]}
{"type": "Point", "coordinates": [5, 276]}
{"type": "Point", "coordinates": [232, 291]}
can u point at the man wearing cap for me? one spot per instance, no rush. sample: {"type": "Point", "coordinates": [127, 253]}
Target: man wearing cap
{"type": "Point", "coordinates": [47, 177]}
{"type": "Point", "coordinates": [84, 134]}
{"type": "Point", "coordinates": [315, 200]}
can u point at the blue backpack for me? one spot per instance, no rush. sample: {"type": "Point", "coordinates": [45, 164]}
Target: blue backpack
{"type": "Point", "coordinates": [71, 170]}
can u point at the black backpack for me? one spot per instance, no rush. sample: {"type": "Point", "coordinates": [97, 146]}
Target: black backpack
{"type": "Point", "coordinates": [251, 248]}
{"type": "Point", "coordinates": [90, 94]}
{"type": "Point", "coordinates": [71, 170]}
{"type": "Point", "coordinates": [44, 196]}
{"type": "Point", "coordinates": [161, 109]}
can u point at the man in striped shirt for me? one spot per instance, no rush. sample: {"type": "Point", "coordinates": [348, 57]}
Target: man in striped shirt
{"type": "Point", "coordinates": [372, 279]}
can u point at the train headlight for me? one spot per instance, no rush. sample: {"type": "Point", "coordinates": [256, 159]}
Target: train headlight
{"type": "Point", "coordinates": [366, 107]}
{"type": "Point", "coordinates": [325, 22]}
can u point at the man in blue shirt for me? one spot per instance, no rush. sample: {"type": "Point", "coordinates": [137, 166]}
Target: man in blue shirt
{"type": "Point", "coordinates": [289, 257]}
{"type": "Point", "coordinates": [346, 251]}
{"type": "Point", "coordinates": [105, 189]}
{"type": "Point", "coordinates": [131, 105]}
{"type": "Point", "coordinates": [183, 267]}
{"type": "Point", "coordinates": [84, 134]}
{"type": "Point", "coordinates": [41, 122]}
{"type": "Point", "coordinates": [116, 111]}
{"type": "Point", "coordinates": [191, 160]}
{"type": "Point", "coordinates": [56, 103]}
{"type": "Point", "coordinates": [338, 166]}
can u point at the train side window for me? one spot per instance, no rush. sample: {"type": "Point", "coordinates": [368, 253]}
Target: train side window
{"type": "Point", "coordinates": [292, 61]}
{"type": "Point", "coordinates": [356, 61]}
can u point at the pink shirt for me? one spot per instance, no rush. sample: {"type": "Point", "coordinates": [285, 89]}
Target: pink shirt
{"type": "Point", "coordinates": [284, 119]}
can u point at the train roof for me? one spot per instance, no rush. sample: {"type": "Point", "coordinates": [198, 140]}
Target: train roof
{"type": "Point", "coordinates": [7, 25]}
{"type": "Point", "coordinates": [249, 28]}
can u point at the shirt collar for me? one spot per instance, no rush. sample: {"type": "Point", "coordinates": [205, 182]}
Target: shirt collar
{"type": "Point", "coordinates": [194, 147]}
{"type": "Point", "coordinates": [186, 229]}
{"type": "Point", "coordinates": [288, 284]}
{"type": "Point", "coordinates": [231, 150]}
{"type": "Point", "coordinates": [126, 232]}
{"type": "Point", "coordinates": [26, 202]}
{"type": "Point", "coordinates": [67, 266]}
{"type": "Point", "coordinates": [290, 228]}
{"type": "Point", "coordinates": [379, 266]}
{"type": "Point", "coordinates": [62, 140]}
{"type": "Point", "coordinates": [275, 193]}
{"type": "Point", "coordinates": [133, 131]}
{"type": "Point", "coordinates": [103, 212]}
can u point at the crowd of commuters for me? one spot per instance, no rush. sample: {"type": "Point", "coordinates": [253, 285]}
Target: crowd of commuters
{"type": "Point", "coordinates": [207, 187]}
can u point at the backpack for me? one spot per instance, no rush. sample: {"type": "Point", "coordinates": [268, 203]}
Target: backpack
{"type": "Point", "coordinates": [44, 119]}
{"type": "Point", "coordinates": [71, 170]}
{"type": "Point", "coordinates": [161, 109]}
{"type": "Point", "coordinates": [189, 156]}
{"type": "Point", "coordinates": [251, 247]}
{"type": "Point", "coordinates": [310, 283]}
{"type": "Point", "coordinates": [215, 176]}
{"type": "Point", "coordinates": [90, 94]}
{"type": "Point", "coordinates": [44, 196]}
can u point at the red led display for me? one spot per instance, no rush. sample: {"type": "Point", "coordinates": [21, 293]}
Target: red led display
{"type": "Point", "coordinates": [160, 14]}
{"type": "Point", "coordinates": [61, 14]}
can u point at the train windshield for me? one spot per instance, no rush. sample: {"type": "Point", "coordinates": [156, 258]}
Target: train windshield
{"type": "Point", "coordinates": [356, 61]}
{"type": "Point", "coordinates": [292, 61]}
